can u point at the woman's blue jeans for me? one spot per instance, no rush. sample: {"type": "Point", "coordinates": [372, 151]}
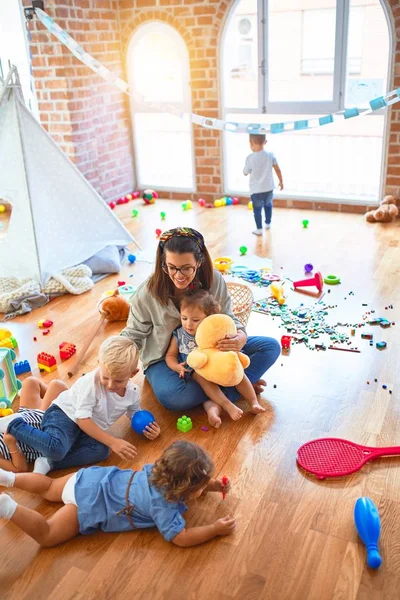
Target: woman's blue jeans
{"type": "Point", "coordinates": [60, 440]}
{"type": "Point", "coordinates": [175, 393]}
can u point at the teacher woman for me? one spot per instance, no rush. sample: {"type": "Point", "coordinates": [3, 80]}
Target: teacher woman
{"type": "Point", "coordinates": [183, 263]}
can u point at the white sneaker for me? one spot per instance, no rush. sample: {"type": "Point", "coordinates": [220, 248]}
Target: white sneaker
{"type": "Point", "coordinates": [267, 225]}
{"type": "Point", "coordinates": [257, 232]}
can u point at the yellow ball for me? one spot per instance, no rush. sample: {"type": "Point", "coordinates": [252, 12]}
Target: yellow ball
{"type": "Point", "coordinates": [223, 201]}
{"type": "Point", "coordinates": [216, 203]}
{"type": "Point", "coordinates": [2, 208]}
{"type": "Point", "coordinates": [250, 205]}
{"type": "Point", "coordinates": [189, 204]}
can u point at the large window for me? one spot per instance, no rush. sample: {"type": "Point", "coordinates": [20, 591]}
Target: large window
{"type": "Point", "coordinates": [297, 59]}
{"type": "Point", "coordinates": [158, 70]}
{"type": "Point", "coordinates": [14, 48]}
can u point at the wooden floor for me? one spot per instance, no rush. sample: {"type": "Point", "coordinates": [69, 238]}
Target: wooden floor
{"type": "Point", "coordinates": [295, 536]}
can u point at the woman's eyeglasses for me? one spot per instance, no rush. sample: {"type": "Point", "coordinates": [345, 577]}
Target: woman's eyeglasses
{"type": "Point", "coordinates": [185, 271]}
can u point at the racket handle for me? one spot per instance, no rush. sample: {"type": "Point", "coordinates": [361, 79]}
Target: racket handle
{"type": "Point", "coordinates": [224, 482]}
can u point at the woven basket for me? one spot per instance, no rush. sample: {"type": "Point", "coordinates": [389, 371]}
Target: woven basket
{"type": "Point", "coordinates": [242, 301]}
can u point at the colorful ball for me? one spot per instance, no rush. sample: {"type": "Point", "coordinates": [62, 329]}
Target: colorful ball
{"type": "Point", "coordinates": [128, 197]}
{"type": "Point", "coordinates": [131, 258]}
{"type": "Point", "coordinates": [229, 201]}
{"type": "Point", "coordinates": [305, 223]}
{"type": "Point", "coordinates": [158, 232]}
{"type": "Point", "coordinates": [184, 206]}
{"type": "Point", "coordinates": [135, 195]}
{"type": "Point", "coordinates": [189, 204]}
{"type": "Point", "coordinates": [243, 250]}
{"type": "Point", "coordinates": [235, 200]}
{"type": "Point", "coordinates": [308, 268]}
{"type": "Point", "coordinates": [140, 420]}
{"type": "Point", "coordinates": [223, 201]}
{"type": "Point", "coordinates": [201, 202]}
{"type": "Point", "coordinates": [163, 215]}
{"type": "Point", "coordinates": [250, 205]}
{"type": "Point", "coordinates": [149, 196]}
{"type": "Point", "coordinates": [217, 203]}
{"type": "Point", "coordinates": [112, 205]}
{"type": "Point", "coordinates": [135, 213]}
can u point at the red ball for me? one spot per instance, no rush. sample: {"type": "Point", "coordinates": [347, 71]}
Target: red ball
{"type": "Point", "coordinates": [202, 202]}
{"type": "Point", "coordinates": [158, 232]}
{"type": "Point", "coordinates": [235, 200]}
{"type": "Point", "coordinates": [209, 205]}
{"type": "Point", "coordinates": [135, 195]}
{"type": "Point", "coordinates": [120, 201]}
{"type": "Point", "coordinates": [155, 195]}
{"type": "Point", "coordinates": [112, 205]}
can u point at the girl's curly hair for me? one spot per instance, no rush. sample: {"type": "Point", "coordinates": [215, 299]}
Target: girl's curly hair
{"type": "Point", "coordinates": [183, 467]}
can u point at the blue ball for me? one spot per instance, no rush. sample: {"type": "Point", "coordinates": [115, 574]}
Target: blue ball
{"type": "Point", "coordinates": [141, 419]}
{"type": "Point", "coordinates": [131, 258]}
{"type": "Point", "coordinates": [229, 201]}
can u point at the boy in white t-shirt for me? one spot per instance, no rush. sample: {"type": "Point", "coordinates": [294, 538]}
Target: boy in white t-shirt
{"type": "Point", "coordinates": [259, 166]}
{"type": "Point", "coordinates": [74, 428]}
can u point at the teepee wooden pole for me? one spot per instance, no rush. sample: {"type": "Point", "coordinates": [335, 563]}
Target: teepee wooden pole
{"type": "Point", "coordinates": [81, 355]}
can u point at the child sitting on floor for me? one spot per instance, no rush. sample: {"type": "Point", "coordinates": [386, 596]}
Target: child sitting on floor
{"type": "Point", "coordinates": [74, 428]}
{"type": "Point", "coordinates": [112, 499]}
{"type": "Point", "coordinates": [35, 397]}
{"type": "Point", "coordinates": [195, 307]}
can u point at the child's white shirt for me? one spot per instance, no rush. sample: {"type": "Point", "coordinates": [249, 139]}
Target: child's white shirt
{"type": "Point", "coordinates": [87, 398]}
{"type": "Point", "coordinates": [259, 166]}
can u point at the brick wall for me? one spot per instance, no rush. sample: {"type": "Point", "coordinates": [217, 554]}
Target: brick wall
{"type": "Point", "coordinates": [88, 118]}
{"type": "Point", "coordinates": [91, 121]}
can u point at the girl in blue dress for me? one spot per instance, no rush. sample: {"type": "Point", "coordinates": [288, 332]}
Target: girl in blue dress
{"type": "Point", "coordinates": [116, 500]}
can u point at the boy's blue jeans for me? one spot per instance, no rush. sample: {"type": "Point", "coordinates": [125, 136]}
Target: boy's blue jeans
{"type": "Point", "coordinates": [259, 201]}
{"type": "Point", "coordinates": [60, 440]}
{"type": "Point", "coordinates": [175, 393]}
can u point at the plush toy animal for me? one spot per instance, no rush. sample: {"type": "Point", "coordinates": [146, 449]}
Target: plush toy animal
{"type": "Point", "coordinates": [222, 368]}
{"type": "Point", "coordinates": [386, 212]}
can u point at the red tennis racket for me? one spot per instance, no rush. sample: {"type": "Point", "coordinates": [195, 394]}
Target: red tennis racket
{"type": "Point", "coordinates": [334, 457]}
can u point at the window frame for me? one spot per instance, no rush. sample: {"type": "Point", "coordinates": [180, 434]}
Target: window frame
{"type": "Point", "coordinates": [145, 108]}
{"type": "Point", "coordinates": [303, 107]}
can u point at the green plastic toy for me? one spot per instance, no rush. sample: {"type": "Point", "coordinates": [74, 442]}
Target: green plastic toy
{"type": "Point", "coordinates": [9, 384]}
{"type": "Point", "coordinates": [184, 424]}
{"type": "Point", "coordinates": [242, 250]}
{"type": "Point", "coordinates": [332, 280]}
{"type": "Point", "coordinates": [305, 223]}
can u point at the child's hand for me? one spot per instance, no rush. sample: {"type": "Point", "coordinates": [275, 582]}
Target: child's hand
{"type": "Point", "coordinates": [10, 441]}
{"type": "Point", "coordinates": [123, 448]}
{"type": "Point", "coordinates": [225, 526]}
{"type": "Point", "coordinates": [281, 185]}
{"type": "Point", "coordinates": [181, 370]}
{"type": "Point", "coordinates": [152, 431]}
{"type": "Point", "coordinates": [225, 488]}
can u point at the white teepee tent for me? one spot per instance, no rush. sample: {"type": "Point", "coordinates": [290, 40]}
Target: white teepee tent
{"type": "Point", "coordinates": [58, 219]}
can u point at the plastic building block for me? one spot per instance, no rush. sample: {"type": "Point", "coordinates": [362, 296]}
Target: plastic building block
{"type": "Point", "coordinates": [9, 384]}
{"type": "Point", "coordinates": [9, 342]}
{"type": "Point", "coordinates": [184, 424]}
{"type": "Point", "coordinates": [66, 350]}
{"type": "Point", "coordinates": [285, 342]}
{"type": "Point", "coordinates": [381, 345]}
{"type": "Point", "coordinates": [5, 333]}
{"type": "Point", "coordinates": [46, 362]}
{"type": "Point", "coordinates": [45, 323]}
{"type": "Point", "coordinates": [367, 336]}
{"type": "Point", "coordinates": [22, 367]}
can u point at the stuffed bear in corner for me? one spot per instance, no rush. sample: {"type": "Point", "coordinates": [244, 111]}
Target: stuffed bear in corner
{"type": "Point", "coordinates": [386, 212]}
{"type": "Point", "coordinates": [222, 368]}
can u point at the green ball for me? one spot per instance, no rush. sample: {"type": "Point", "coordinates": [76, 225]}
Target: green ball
{"type": "Point", "coordinates": [135, 212]}
{"type": "Point", "coordinates": [242, 250]}
{"type": "Point", "coordinates": [163, 215]}
{"type": "Point", "coordinates": [305, 223]}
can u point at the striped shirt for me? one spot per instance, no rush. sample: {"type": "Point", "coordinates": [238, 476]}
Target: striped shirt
{"type": "Point", "coordinates": [34, 417]}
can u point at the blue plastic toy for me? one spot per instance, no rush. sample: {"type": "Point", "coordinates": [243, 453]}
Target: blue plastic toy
{"type": "Point", "coordinates": [9, 384]}
{"type": "Point", "coordinates": [368, 525]}
{"type": "Point", "coordinates": [131, 258]}
{"type": "Point", "coordinates": [140, 420]}
{"type": "Point", "coordinates": [21, 367]}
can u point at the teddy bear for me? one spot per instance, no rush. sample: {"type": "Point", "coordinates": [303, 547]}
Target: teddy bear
{"type": "Point", "coordinates": [386, 212]}
{"type": "Point", "coordinates": [222, 368]}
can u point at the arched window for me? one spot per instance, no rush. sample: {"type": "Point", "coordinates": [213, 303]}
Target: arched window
{"type": "Point", "coordinates": [299, 59]}
{"type": "Point", "coordinates": [158, 70]}
{"type": "Point", "coordinates": [14, 48]}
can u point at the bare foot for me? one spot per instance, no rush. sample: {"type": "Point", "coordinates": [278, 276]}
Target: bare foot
{"type": "Point", "coordinates": [233, 411]}
{"type": "Point", "coordinates": [257, 408]}
{"type": "Point", "coordinates": [259, 386]}
{"type": "Point", "coordinates": [213, 414]}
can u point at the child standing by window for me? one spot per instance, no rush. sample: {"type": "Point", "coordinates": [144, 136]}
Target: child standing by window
{"type": "Point", "coordinates": [74, 428]}
{"type": "Point", "coordinates": [194, 309]}
{"type": "Point", "coordinates": [259, 165]}
{"type": "Point", "coordinates": [113, 499]}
